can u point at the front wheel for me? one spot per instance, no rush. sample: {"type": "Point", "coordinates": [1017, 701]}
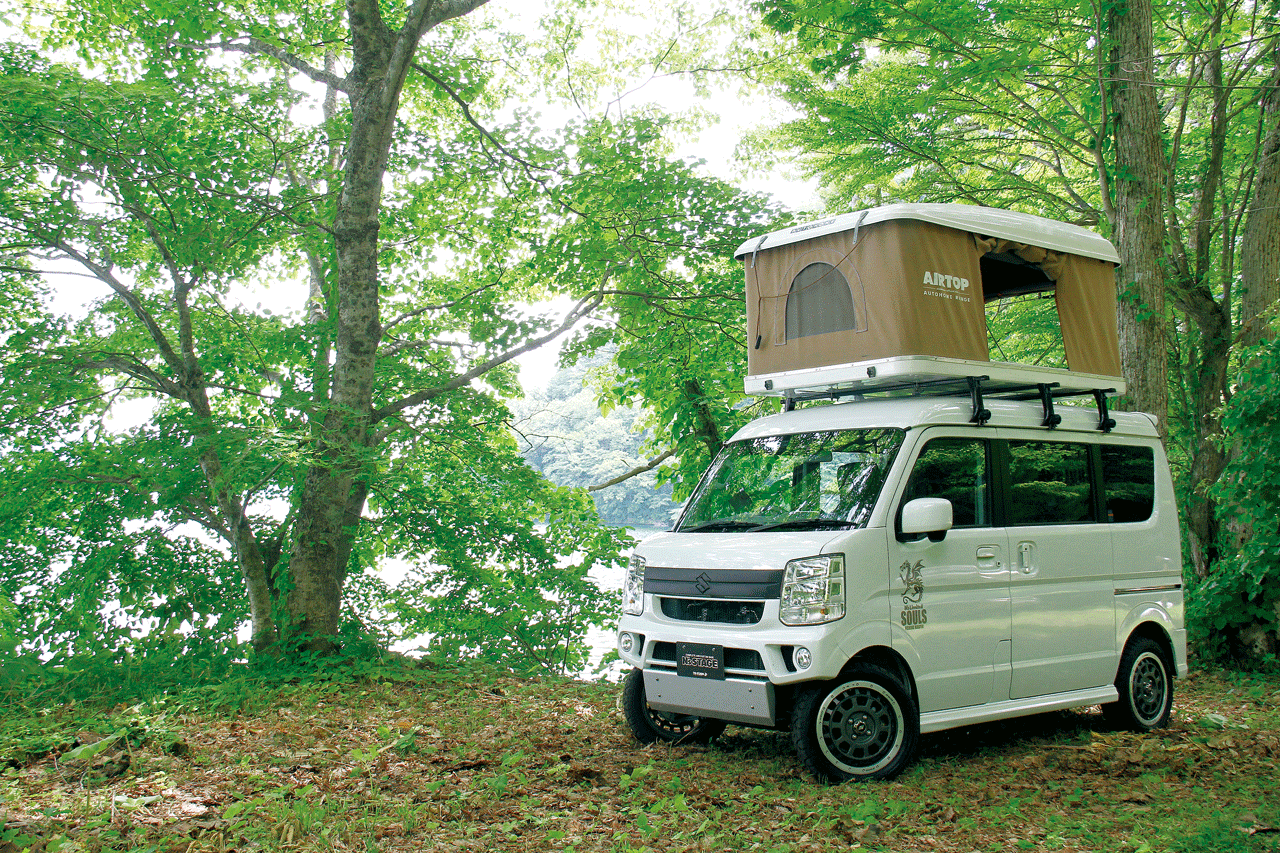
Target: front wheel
{"type": "Point", "coordinates": [649, 725]}
{"type": "Point", "coordinates": [864, 726]}
{"type": "Point", "coordinates": [1145, 683]}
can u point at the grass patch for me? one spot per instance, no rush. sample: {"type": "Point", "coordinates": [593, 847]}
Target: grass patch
{"type": "Point", "coordinates": [405, 758]}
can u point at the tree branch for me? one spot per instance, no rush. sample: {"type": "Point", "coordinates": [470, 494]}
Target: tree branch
{"type": "Point", "coordinates": [104, 274]}
{"type": "Point", "coordinates": [582, 309]}
{"type": "Point", "coordinates": [473, 121]}
{"type": "Point", "coordinates": [636, 471]}
{"type": "Point", "coordinates": [258, 47]}
{"type": "Point", "coordinates": [443, 306]}
{"type": "Point", "coordinates": [134, 369]}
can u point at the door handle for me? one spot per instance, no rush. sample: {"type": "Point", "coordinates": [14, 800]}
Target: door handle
{"type": "Point", "coordinates": [1026, 557]}
{"type": "Point", "coordinates": [987, 557]}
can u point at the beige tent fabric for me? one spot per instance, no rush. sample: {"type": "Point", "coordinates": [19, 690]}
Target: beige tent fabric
{"type": "Point", "coordinates": [916, 289]}
{"type": "Point", "coordinates": [1086, 297]}
{"type": "Point", "coordinates": [1085, 293]}
{"type": "Point", "coordinates": [915, 286]}
{"type": "Point", "coordinates": [1047, 259]}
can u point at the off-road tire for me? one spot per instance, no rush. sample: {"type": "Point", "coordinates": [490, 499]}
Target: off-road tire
{"type": "Point", "coordinates": [1145, 683]}
{"type": "Point", "coordinates": [862, 726]}
{"type": "Point", "coordinates": [651, 726]}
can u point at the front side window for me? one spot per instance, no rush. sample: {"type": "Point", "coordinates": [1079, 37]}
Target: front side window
{"type": "Point", "coordinates": [955, 469]}
{"type": "Point", "coordinates": [804, 481]}
{"type": "Point", "coordinates": [1049, 483]}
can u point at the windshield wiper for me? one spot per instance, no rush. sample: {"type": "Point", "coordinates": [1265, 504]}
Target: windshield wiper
{"type": "Point", "coordinates": [805, 524]}
{"type": "Point", "coordinates": [721, 525]}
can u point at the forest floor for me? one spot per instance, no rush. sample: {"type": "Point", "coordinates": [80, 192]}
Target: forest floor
{"type": "Point", "coordinates": [415, 759]}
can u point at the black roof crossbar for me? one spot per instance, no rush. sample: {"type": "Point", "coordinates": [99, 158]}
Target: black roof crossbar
{"type": "Point", "coordinates": [974, 387]}
{"type": "Point", "coordinates": [1051, 418]}
{"type": "Point", "coordinates": [981, 414]}
{"type": "Point", "coordinates": [1105, 422]}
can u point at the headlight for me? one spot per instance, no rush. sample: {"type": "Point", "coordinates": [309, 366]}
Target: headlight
{"type": "Point", "coordinates": [813, 590]}
{"type": "Point", "coordinates": [633, 589]}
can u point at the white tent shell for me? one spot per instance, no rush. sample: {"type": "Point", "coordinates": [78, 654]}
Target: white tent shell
{"type": "Point", "coordinates": [991, 221]}
{"type": "Point", "coordinates": [894, 294]}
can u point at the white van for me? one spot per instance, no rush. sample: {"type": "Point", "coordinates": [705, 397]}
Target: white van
{"type": "Point", "coordinates": [947, 549]}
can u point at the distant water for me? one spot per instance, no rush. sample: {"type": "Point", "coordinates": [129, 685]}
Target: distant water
{"type": "Point", "coordinates": [602, 642]}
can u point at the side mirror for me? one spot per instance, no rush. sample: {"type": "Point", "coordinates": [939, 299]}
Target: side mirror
{"type": "Point", "coordinates": [930, 516]}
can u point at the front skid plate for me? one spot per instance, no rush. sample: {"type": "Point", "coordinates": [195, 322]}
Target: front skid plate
{"type": "Point", "coordinates": [732, 699]}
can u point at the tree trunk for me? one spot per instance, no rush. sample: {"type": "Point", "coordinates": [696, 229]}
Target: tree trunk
{"type": "Point", "coordinates": [1260, 242]}
{"type": "Point", "coordinates": [1209, 356]}
{"type": "Point", "coordinates": [1210, 364]}
{"type": "Point", "coordinates": [707, 430]}
{"type": "Point", "coordinates": [334, 491]}
{"type": "Point", "coordinates": [1139, 221]}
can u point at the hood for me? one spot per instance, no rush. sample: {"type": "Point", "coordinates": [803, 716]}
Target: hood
{"type": "Point", "coordinates": [752, 551]}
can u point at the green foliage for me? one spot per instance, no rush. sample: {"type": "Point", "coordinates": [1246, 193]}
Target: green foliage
{"type": "Point", "coordinates": [1025, 330]}
{"type": "Point", "coordinates": [1243, 590]}
{"type": "Point", "coordinates": [159, 438]}
{"type": "Point", "coordinates": [1224, 836]}
{"type": "Point", "coordinates": [948, 105]}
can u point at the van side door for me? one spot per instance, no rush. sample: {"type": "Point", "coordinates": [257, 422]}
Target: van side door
{"type": "Point", "coordinates": [949, 600]}
{"type": "Point", "coordinates": [1061, 574]}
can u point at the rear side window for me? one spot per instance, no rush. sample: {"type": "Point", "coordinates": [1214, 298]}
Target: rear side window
{"type": "Point", "coordinates": [955, 469]}
{"type": "Point", "coordinates": [1129, 483]}
{"type": "Point", "coordinates": [1049, 483]}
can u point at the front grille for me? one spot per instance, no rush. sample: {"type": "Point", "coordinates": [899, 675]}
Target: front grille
{"type": "Point", "coordinates": [731, 584]}
{"type": "Point", "coordinates": [733, 658]}
{"type": "Point", "coordinates": [726, 612]}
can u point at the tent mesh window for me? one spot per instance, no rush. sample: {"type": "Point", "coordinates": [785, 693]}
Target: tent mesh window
{"type": "Point", "coordinates": [819, 302]}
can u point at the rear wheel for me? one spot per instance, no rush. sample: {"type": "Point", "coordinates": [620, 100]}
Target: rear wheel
{"type": "Point", "coordinates": [864, 726]}
{"type": "Point", "coordinates": [1145, 684]}
{"type": "Point", "coordinates": [650, 725]}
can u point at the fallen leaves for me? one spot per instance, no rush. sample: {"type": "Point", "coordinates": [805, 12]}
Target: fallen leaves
{"type": "Point", "coordinates": [483, 762]}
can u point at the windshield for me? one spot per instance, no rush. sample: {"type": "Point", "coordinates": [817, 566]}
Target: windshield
{"type": "Point", "coordinates": [804, 481]}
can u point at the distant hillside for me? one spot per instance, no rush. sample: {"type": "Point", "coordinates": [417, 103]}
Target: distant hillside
{"type": "Point", "coordinates": [562, 434]}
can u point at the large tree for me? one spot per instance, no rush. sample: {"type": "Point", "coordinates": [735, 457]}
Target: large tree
{"type": "Point", "coordinates": [351, 158]}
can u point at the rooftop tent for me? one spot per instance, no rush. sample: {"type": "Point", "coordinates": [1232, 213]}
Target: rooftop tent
{"type": "Point", "coordinates": [911, 280]}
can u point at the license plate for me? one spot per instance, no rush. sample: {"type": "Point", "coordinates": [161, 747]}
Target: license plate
{"type": "Point", "coordinates": [698, 660]}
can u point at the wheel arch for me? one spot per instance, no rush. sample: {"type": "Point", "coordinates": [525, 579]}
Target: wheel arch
{"type": "Point", "coordinates": [1159, 619]}
{"type": "Point", "coordinates": [862, 724]}
{"type": "Point", "coordinates": [1156, 632]}
{"type": "Point", "coordinates": [889, 660]}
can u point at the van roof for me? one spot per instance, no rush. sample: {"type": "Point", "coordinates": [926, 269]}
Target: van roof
{"type": "Point", "coordinates": [987, 221]}
{"type": "Point", "coordinates": [908, 412]}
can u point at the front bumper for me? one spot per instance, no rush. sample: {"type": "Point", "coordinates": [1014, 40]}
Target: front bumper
{"type": "Point", "coordinates": [733, 699]}
{"type": "Point", "coordinates": [758, 663]}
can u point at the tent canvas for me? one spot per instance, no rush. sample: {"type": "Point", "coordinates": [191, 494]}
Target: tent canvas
{"type": "Point", "coordinates": [911, 280]}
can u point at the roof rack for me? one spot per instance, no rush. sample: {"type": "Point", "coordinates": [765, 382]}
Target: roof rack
{"type": "Point", "coordinates": [943, 377]}
{"type": "Point", "coordinates": [978, 389]}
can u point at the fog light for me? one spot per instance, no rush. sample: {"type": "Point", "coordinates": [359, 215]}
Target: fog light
{"type": "Point", "coordinates": [627, 642]}
{"type": "Point", "coordinates": [803, 658]}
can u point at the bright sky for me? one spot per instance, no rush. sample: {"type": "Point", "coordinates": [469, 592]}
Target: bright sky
{"type": "Point", "coordinates": [738, 114]}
